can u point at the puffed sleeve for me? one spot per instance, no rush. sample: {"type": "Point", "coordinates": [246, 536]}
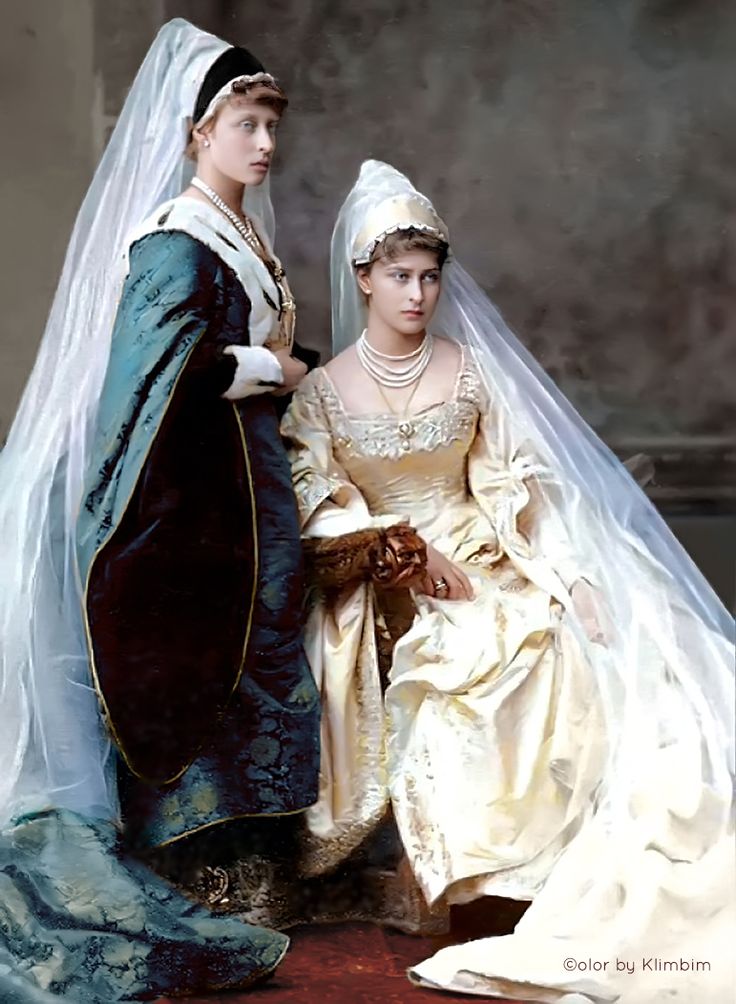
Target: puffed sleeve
{"type": "Point", "coordinates": [510, 482]}
{"type": "Point", "coordinates": [330, 504]}
{"type": "Point", "coordinates": [316, 475]}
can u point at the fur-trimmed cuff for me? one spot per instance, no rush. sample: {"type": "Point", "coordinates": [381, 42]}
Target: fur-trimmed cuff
{"type": "Point", "coordinates": [258, 371]}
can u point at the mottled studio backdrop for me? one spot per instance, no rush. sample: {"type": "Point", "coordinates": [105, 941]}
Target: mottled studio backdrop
{"type": "Point", "coordinates": [583, 153]}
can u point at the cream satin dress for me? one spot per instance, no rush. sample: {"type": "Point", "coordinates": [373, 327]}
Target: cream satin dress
{"type": "Point", "coordinates": [486, 742]}
{"type": "Point", "coordinates": [490, 739]}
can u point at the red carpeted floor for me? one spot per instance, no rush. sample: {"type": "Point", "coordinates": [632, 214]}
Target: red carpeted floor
{"type": "Point", "coordinates": [346, 963]}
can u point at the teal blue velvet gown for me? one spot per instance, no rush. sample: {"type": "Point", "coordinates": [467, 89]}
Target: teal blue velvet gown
{"type": "Point", "coordinates": [189, 544]}
{"type": "Point", "coordinates": [188, 551]}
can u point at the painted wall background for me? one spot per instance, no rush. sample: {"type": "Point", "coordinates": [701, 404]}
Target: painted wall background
{"type": "Point", "coordinates": [583, 153]}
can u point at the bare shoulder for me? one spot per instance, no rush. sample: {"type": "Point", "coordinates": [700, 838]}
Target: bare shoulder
{"type": "Point", "coordinates": [447, 348]}
{"type": "Point", "coordinates": [343, 364]}
{"type": "Point", "coordinates": [447, 354]}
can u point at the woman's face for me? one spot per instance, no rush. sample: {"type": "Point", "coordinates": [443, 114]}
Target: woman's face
{"type": "Point", "coordinates": [402, 292]}
{"type": "Point", "coordinates": [242, 139]}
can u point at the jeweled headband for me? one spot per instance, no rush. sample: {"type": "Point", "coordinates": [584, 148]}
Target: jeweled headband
{"type": "Point", "coordinates": [234, 66]}
{"type": "Point", "coordinates": [399, 212]}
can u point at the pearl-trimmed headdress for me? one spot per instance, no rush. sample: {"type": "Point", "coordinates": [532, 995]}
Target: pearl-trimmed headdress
{"type": "Point", "coordinates": [231, 87]}
{"type": "Point", "coordinates": [398, 212]}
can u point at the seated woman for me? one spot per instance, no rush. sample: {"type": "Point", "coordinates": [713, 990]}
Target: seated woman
{"type": "Point", "coordinates": [557, 725]}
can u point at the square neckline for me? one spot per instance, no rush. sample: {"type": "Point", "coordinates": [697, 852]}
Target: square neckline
{"type": "Point", "coordinates": [410, 416]}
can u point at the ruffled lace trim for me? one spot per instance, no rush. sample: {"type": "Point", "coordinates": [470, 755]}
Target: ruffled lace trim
{"type": "Point", "coordinates": [387, 437]}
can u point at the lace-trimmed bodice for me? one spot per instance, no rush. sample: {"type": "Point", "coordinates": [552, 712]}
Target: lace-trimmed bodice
{"type": "Point", "coordinates": [399, 463]}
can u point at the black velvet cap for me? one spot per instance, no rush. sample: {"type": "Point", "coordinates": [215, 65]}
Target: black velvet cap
{"type": "Point", "coordinates": [235, 62]}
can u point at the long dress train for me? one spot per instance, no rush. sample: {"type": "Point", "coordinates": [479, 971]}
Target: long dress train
{"type": "Point", "coordinates": [492, 736]}
{"type": "Point", "coordinates": [80, 922]}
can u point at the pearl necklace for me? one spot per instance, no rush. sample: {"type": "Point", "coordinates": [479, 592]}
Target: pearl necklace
{"type": "Point", "coordinates": [381, 367]}
{"type": "Point", "coordinates": [246, 231]}
{"type": "Point", "coordinates": [243, 226]}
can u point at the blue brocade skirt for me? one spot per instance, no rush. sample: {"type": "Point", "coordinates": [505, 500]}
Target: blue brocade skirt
{"type": "Point", "coordinates": [78, 921]}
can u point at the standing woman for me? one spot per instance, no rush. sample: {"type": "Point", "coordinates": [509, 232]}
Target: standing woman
{"type": "Point", "coordinates": [151, 583]}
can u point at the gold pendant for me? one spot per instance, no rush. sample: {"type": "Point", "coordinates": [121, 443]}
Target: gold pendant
{"type": "Point", "coordinates": [406, 431]}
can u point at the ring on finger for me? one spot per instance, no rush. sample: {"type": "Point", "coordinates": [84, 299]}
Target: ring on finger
{"type": "Point", "coordinates": [440, 586]}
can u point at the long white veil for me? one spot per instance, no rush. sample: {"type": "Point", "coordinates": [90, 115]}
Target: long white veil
{"type": "Point", "coordinates": [54, 750]}
{"type": "Point", "coordinates": [667, 671]}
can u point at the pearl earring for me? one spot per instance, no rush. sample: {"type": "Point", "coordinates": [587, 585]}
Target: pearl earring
{"type": "Point", "coordinates": [206, 143]}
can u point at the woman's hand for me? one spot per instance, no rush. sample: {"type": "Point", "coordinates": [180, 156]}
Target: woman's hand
{"type": "Point", "coordinates": [590, 612]}
{"type": "Point", "coordinates": [445, 579]}
{"type": "Point", "coordinates": [293, 369]}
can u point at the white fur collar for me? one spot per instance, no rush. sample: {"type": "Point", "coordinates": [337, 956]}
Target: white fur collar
{"type": "Point", "coordinates": [208, 225]}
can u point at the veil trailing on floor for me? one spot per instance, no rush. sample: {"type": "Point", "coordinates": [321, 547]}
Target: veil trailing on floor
{"type": "Point", "coordinates": [649, 875]}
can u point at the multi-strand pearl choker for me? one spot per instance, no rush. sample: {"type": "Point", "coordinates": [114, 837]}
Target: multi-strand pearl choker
{"type": "Point", "coordinates": [394, 371]}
